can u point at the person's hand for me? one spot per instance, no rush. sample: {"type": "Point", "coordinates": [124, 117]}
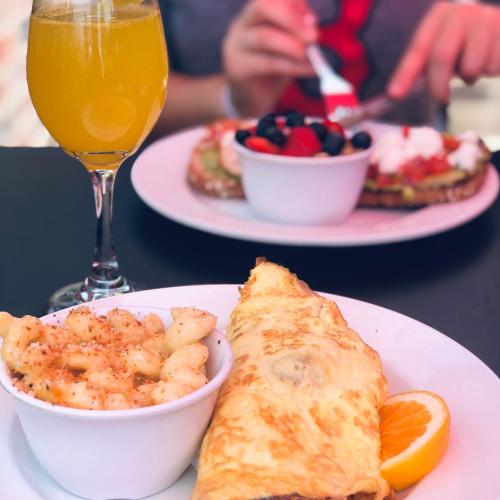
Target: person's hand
{"type": "Point", "coordinates": [264, 49]}
{"type": "Point", "coordinates": [462, 39]}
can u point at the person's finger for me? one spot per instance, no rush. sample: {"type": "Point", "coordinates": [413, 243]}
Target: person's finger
{"type": "Point", "coordinates": [493, 65]}
{"type": "Point", "coordinates": [415, 58]}
{"type": "Point", "coordinates": [478, 46]}
{"type": "Point", "coordinates": [293, 16]}
{"type": "Point", "coordinates": [274, 41]}
{"type": "Point", "coordinates": [446, 51]}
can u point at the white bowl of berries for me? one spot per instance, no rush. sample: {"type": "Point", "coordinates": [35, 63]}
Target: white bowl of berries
{"type": "Point", "coordinates": [301, 170]}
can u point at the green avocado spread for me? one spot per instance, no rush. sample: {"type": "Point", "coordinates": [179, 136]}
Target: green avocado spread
{"type": "Point", "coordinates": [432, 181]}
{"type": "Point", "coordinates": [212, 162]}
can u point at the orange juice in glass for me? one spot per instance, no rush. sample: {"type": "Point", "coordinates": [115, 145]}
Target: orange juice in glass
{"type": "Point", "coordinates": [97, 78]}
{"type": "Point", "coordinates": [97, 75]}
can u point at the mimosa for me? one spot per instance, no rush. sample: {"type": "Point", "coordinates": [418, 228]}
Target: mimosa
{"type": "Point", "coordinates": [97, 78]}
{"type": "Point", "coordinates": [97, 75]}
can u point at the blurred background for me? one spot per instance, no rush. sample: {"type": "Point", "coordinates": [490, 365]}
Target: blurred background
{"type": "Point", "coordinates": [471, 106]}
{"type": "Point", "coordinates": [19, 125]}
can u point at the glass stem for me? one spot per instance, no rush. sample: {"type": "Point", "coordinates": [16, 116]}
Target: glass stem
{"type": "Point", "coordinates": [105, 272]}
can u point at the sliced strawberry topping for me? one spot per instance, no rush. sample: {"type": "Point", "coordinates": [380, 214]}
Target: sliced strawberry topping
{"type": "Point", "coordinates": [437, 165]}
{"type": "Point", "coordinates": [261, 145]}
{"type": "Point", "coordinates": [334, 127]}
{"type": "Point", "coordinates": [372, 172]}
{"type": "Point", "coordinates": [450, 142]}
{"type": "Point", "coordinates": [302, 141]}
{"type": "Point", "coordinates": [386, 180]}
{"type": "Point", "coordinates": [217, 129]}
{"type": "Point", "coordinates": [414, 170]}
{"type": "Point", "coordinates": [382, 180]}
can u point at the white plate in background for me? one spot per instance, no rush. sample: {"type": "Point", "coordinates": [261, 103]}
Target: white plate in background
{"type": "Point", "coordinates": [159, 178]}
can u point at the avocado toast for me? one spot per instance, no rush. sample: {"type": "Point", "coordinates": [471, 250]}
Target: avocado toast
{"type": "Point", "coordinates": [414, 167]}
{"type": "Point", "coordinates": [212, 169]}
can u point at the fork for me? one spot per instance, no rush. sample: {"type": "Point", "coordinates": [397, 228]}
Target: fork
{"type": "Point", "coordinates": [338, 94]}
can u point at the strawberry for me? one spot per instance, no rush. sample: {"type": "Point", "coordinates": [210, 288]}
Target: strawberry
{"type": "Point", "coordinates": [372, 172]}
{"type": "Point", "coordinates": [386, 180]}
{"type": "Point", "coordinates": [261, 145]}
{"type": "Point", "coordinates": [334, 127]}
{"type": "Point", "coordinates": [405, 130]}
{"type": "Point", "coordinates": [302, 141]}
{"type": "Point", "coordinates": [414, 170]}
{"type": "Point", "coordinates": [437, 165]}
{"type": "Point", "coordinates": [450, 143]}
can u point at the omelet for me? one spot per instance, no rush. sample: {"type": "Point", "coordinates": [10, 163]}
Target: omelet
{"type": "Point", "coordinates": [298, 415]}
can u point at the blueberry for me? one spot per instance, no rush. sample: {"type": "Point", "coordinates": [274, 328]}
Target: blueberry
{"type": "Point", "coordinates": [285, 113]}
{"type": "Point", "coordinates": [269, 117]}
{"type": "Point", "coordinates": [361, 140]}
{"type": "Point", "coordinates": [264, 123]}
{"type": "Point", "coordinates": [242, 136]}
{"type": "Point", "coordinates": [320, 130]}
{"type": "Point", "coordinates": [294, 119]}
{"type": "Point", "coordinates": [333, 144]}
{"type": "Point", "coordinates": [275, 135]}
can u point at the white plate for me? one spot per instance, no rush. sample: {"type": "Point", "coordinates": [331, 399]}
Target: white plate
{"type": "Point", "coordinates": [414, 355]}
{"type": "Point", "coordinates": [159, 178]}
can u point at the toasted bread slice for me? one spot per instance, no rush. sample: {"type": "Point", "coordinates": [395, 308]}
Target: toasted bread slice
{"type": "Point", "coordinates": [432, 190]}
{"type": "Point", "coordinates": [208, 169]}
{"type": "Point", "coordinates": [207, 175]}
{"type": "Point", "coordinates": [448, 186]}
{"type": "Point", "coordinates": [413, 197]}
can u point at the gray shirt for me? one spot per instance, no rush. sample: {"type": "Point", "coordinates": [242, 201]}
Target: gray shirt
{"type": "Point", "coordinates": [195, 30]}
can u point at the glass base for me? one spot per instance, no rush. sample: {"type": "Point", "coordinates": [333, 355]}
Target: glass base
{"type": "Point", "coordinates": [75, 294]}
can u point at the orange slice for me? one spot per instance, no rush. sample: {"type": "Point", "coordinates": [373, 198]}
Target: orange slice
{"type": "Point", "coordinates": [414, 429]}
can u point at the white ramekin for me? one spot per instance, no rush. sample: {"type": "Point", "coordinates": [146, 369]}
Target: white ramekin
{"type": "Point", "coordinates": [299, 190]}
{"type": "Point", "coordinates": [124, 453]}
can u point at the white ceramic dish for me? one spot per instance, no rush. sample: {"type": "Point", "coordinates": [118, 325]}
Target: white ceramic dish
{"type": "Point", "coordinates": [414, 355]}
{"type": "Point", "coordinates": [159, 178]}
{"type": "Point", "coordinates": [125, 453]}
{"type": "Point", "coordinates": [296, 190]}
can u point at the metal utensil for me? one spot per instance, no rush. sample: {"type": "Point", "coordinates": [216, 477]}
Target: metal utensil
{"type": "Point", "coordinates": [375, 107]}
{"type": "Point", "coordinates": [339, 95]}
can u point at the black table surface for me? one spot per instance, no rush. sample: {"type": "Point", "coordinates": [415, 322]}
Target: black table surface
{"type": "Point", "coordinates": [47, 222]}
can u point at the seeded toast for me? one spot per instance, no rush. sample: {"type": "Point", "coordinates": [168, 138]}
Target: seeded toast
{"type": "Point", "coordinates": [433, 190]}
{"type": "Point", "coordinates": [206, 172]}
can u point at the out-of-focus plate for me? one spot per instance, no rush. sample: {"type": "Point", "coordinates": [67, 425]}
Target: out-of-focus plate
{"type": "Point", "coordinates": [159, 178]}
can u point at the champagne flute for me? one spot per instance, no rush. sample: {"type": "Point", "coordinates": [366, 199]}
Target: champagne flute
{"type": "Point", "coordinates": [97, 75]}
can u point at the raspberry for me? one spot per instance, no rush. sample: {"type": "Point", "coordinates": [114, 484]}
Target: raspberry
{"type": "Point", "coordinates": [302, 141]}
{"type": "Point", "coordinates": [261, 145]}
{"type": "Point", "coordinates": [334, 127]}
